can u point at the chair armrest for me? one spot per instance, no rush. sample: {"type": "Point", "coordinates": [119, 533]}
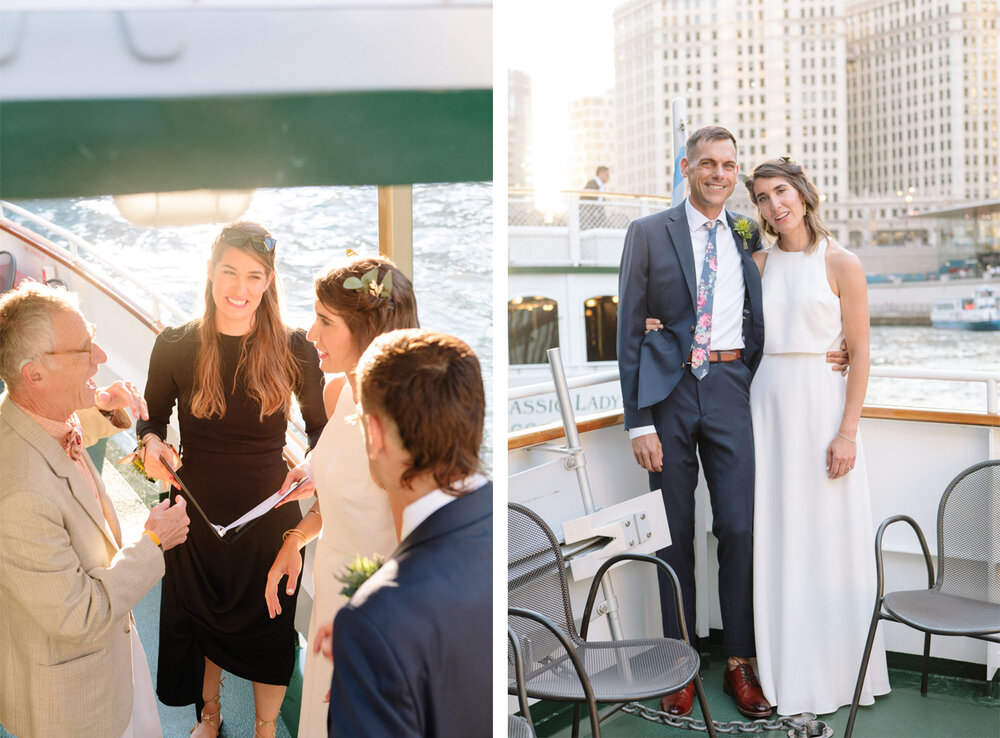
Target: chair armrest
{"type": "Point", "coordinates": [588, 691]}
{"type": "Point", "coordinates": [879, 569]}
{"type": "Point", "coordinates": [646, 558]}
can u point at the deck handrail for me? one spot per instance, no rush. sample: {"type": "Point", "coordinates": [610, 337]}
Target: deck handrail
{"type": "Point", "coordinates": [991, 379]}
{"type": "Point", "coordinates": [77, 244]}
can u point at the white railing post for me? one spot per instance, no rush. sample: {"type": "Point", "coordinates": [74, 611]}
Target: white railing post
{"type": "Point", "coordinates": [573, 221]}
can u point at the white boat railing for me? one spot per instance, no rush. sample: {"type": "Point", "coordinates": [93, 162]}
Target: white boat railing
{"type": "Point", "coordinates": [990, 379]}
{"type": "Point", "coordinates": [77, 245]}
{"type": "Point", "coordinates": [579, 209]}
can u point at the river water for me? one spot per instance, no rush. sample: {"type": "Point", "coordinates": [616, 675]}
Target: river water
{"type": "Point", "coordinates": [314, 227]}
{"type": "Point", "coordinates": [932, 348]}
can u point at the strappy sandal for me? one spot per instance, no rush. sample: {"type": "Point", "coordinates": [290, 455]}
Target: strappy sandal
{"type": "Point", "coordinates": [212, 719]}
{"type": "Point", "coordinates": [258, 724]}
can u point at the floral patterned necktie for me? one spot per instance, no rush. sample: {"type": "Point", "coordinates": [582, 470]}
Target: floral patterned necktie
{"type": "Point", "coordinates": [703, 315]}
{"type": "Point", "coordinates": [73, 441]}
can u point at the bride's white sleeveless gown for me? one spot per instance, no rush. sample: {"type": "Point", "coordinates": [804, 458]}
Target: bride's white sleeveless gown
{"type": "Point", "coordinates": [814, 564]}
{"type": "Point", "coordinates": [356, 520]}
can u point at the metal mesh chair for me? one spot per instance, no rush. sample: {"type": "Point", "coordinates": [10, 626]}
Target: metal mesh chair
{"type": "Point", "coordinates": [522, 726]}
{"type": "Point", "coordinates": [8, 271]}
{"type": "Point", "coordinates": [617, 672]}
{"type": "Point", "coordinates": [964, 599]}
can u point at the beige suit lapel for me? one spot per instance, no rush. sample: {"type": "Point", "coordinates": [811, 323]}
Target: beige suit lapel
{"type": "Point", "coordinates": [63, 466]}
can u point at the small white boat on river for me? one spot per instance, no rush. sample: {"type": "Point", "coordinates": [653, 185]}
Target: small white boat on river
{"type": "Point", "coordinates": [981, 312]}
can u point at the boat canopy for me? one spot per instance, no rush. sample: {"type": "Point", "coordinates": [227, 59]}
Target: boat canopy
{"type": "Point", "coordinates": [220, 97]}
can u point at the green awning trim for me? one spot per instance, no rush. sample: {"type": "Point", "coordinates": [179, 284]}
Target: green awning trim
{"type": "Point", "coordinates": [100, 147]}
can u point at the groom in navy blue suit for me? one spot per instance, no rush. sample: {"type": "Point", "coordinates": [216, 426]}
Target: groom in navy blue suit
{"type": "Point", "coordinates": [412, 650]}
{"type": "Point", "coordinates": [675, 412]}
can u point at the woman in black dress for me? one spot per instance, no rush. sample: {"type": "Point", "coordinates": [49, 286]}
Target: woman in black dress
{"type": "Point", "coordinates": [231, 373]}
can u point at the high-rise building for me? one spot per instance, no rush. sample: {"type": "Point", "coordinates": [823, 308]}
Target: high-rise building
{"type": "Point", "coordinates": [771, 71]}
{"type": "Point", "coordinates": [922, 104]}
{"type": "Point", "coordinates": [591, 137]}
{"type": "Point", "coordinates": [519, 133]}
{"type": "Point", "coordinates": [889, 105]}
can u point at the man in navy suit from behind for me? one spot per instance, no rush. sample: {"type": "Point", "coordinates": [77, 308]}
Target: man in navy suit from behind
{"type": "Point", "coordinates": [412, 649]}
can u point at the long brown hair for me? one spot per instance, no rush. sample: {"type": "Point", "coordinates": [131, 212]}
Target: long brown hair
{"type": "Point", "coordinates": [270, 372]}
{"type": "Point", "coordinates": [365, 314]}
{"type": "Point", "coordinates": [792, 173]}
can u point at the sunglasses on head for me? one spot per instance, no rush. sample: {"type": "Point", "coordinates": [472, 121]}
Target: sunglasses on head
{"type": "Point", "coordinates": [239, 237]}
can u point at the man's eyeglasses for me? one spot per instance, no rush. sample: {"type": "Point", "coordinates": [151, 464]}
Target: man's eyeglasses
{"type": "Point", "coordinates": [87, 350]}
{"type": "Point", "coordinates": [239, 237]}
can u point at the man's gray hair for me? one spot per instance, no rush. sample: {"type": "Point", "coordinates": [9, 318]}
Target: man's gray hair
{"type": "Point", "coordinates": [26, 325]}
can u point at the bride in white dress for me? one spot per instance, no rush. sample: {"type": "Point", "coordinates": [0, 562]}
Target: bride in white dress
{"type": "Point", "coordinates": [351, 516]}
{"type": "Point", "coordinates": [814, 568]}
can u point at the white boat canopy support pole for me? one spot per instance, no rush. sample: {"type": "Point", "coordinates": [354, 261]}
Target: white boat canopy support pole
{"type": "Point", "coordinates": [678, 114]}
{"type": "Point", "coordinates": [579, 462]}
{"type": "Point", "coordinates": [395, 225]}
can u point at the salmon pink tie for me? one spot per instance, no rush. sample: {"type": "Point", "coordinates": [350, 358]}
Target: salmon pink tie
{"type": "Point", "coordinates": [703, 314]}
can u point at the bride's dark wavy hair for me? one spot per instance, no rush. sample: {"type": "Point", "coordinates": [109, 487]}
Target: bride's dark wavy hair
{"type": "Point", "coordinates": [365, 314]}
{"type": "Point", "coordinates": [792, 173]}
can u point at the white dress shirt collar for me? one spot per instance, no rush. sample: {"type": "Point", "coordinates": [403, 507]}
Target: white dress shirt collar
{"type": "Point", "coordinates": [419, 510]}
{"type": "Point", "coordinates": [697, 219]}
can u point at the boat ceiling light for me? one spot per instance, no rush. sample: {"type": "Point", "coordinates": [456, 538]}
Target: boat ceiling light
{"type": "Point", "coordinates": [192, 207]}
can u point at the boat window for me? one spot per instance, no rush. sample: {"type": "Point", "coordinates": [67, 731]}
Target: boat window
{"type": "Point", "coordinates": [601, 315]}
{"type": "Point", "coordinates": [532, 329]}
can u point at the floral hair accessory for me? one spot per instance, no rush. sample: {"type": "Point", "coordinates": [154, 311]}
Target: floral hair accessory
{"type": "Point", "coordinates": [369, 284]}
{"type": "Point", "coordinates": [358, 572]}
{"type": "Point", "coordinates": [746, 229]}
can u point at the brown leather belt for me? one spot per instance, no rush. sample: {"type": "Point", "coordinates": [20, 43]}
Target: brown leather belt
{"type": "Point", "coordinates": [714, 357]}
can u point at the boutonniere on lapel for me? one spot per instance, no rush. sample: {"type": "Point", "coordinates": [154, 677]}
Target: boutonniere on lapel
{"type": "Point", "coordinates": [358, 572]}
{"type": "Point", "coordinates": [745, 228]}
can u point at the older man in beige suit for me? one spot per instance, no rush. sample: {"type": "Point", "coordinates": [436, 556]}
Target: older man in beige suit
{"type": "Point", "coordinates": [69, 656]}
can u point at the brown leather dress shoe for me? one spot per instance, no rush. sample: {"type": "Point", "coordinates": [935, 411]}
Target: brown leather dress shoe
{"type": "Point", "coordinates": [679, 704]}
{"type": "Point", "coordinates": [742, 685]}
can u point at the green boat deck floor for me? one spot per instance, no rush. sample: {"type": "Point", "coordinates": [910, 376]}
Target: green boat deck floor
{"type": "Point", "coordinates": [954, 707]}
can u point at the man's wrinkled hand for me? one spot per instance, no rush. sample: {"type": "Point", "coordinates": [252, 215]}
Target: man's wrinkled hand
{"type": "Point", "coordinates": [648, 452]}
{"type": "Point", "coordinates": [169, 523]}
{"type": "Point", "coordinates": [122, 395]}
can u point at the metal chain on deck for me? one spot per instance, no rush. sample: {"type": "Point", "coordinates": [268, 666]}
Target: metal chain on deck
{"type": "Point", "coordinates": [786, 723]}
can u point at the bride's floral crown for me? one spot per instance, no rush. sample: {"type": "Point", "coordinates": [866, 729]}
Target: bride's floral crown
{"type": "Point", "coordinates": [368, 284]}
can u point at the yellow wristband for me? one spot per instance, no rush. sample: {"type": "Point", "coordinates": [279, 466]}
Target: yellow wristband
{"type": "Point", "coordinates": [294, 532]}
{"type": "Point", "coordinates": [153, 537]}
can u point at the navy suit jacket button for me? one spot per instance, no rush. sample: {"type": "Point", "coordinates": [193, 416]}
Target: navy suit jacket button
{"type": "Point", "coordinates": [692, 329]}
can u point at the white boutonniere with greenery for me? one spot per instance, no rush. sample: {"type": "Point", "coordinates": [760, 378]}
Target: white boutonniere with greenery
{"type": "Point", "coordinates": [358, 572]}
{"type": "Point", "coordinates": [746, 229]}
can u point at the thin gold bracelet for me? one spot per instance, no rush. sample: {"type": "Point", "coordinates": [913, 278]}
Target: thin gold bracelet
{"type": "Point", "coordinates": [294, 532]}
{"type": "Point", "coordinates": [845, 437]}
